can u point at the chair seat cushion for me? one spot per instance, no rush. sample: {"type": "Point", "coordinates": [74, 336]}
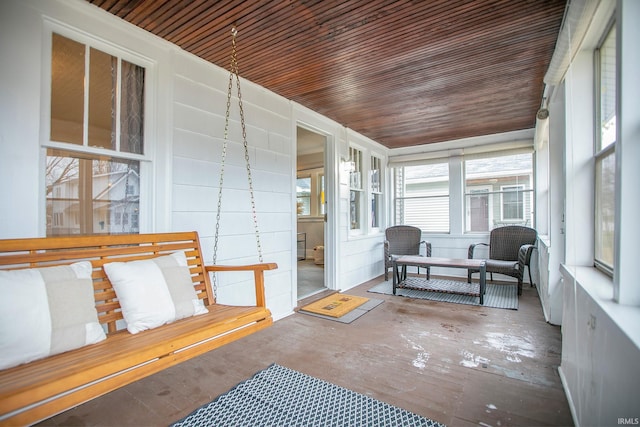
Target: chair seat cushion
{"type": "Point", "coordinates": [499, 266]}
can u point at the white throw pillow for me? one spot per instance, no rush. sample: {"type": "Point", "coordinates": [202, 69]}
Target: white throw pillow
{"type": "Point", "coordinates": [155, 291]}
{"type": "Point", "coordinates": [45, 311]}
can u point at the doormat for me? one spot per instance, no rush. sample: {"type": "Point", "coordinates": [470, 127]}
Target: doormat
{"type": "Point", "coordinates": [352, 315]}
{"type": "Point", "coordinates": [335, 305]}
{"type": "Point", "coordinates": [279, 396]}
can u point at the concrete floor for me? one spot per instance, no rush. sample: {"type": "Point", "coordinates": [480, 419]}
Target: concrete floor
{"type": "Point", "coordinates": [459, 365]}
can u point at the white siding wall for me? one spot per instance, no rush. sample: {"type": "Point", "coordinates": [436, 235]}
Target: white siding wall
{"type": "Point", "coordinates": [186, 117]}
{"type": "Point", "coordinates": [198, 123]}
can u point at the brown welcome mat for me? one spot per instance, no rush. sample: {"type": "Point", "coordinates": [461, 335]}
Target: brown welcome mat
{"type": "Point", "coordinates": [354, 314]}
{"type": "Point", "coordinates": [335, 305]}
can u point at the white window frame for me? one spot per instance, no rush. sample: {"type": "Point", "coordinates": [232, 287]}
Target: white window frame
{"type": "Point", "coordinates": [441, 161]}
{"type": "Point", "coordinates": [521, 190]}
{"type": "Point", "coordinates": [373, 193]}
{"type": "Point", "coordinates": [357, 170]}
{"type": "Point", "coordinates": [601, 153]}
{"type": "Point", "coordinates": [145, 160]}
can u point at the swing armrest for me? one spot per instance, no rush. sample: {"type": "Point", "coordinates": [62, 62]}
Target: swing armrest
{"type": "Point", "coordinates": [258, 275]}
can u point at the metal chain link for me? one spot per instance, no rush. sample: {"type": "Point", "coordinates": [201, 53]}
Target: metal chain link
{"type": "Point", "coordinates": [234, 71]}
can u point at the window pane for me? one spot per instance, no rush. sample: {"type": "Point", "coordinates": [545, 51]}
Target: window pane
{"type": "Point", "coordinates": [375, 184]}
{"type": "Point", "coordinates": [499, 191]}
{"type": "Point", "coordinates": [512, 203]}
{"type": "Point", "coordinates": [103, 77]}
{"type": "Point", "coordinates": [303, 195]}
{"type": "Point", "coordinates": [608, 90]}
{"type": "Point", "coordinates": [376, 204]}
{"type": "Point", "coordinates": [355, 168]}
{"type": "Point", "coordinates": [375, 175]}
{"type": "Point", "coordinates": [67, 90]}
{"type": "Point", "coordinates": [356, 184]}
{"type": "Point", "coordinates": [605, 209]}
{"type": "Point", "coordinates": [68, 119]}
{"type": "Point", "coordinates": [91, 195]}
{"type": "Point", "coordinates": [132, 109]}
{"type": "Point", "coordinates": [422, 197]}
{"type": "Point", "coordinates": [354, 209]}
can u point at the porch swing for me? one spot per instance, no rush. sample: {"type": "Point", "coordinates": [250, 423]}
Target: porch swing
{"type": "Point", "coordinates": [234, 72]}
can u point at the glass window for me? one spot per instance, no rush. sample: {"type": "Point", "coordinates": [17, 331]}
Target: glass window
{"type": "Point", "coordinates": [512, 202]}
{"type": "Point", "coordinates": [498, 191]}
{"type": "Point", "coordinates": [303, 195]}
{"type": "Point", "coordinates": [356, 192]}
{"type": "Point", "coordinates": [375, 174]}
{"type": "Point", "coordinates": [605, 163]}
{"type": "Point", "coordinates": [90, 194]}
{"type": "Point", "coordinates": [310, 193]}
{"type": "Point", "coordinates": [67, 90]}
{"type": "Point", "coordinates": [95, 117]}
{"type": "Point", "coordinates": [422, 197]}
{"type": "Point", "coordinates": [97, 102]}
{"type": "Point", "coordinates": [605, 209]}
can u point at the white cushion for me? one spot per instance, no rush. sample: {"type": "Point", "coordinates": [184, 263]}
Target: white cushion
{"type": "Point", "coordinates": [155, 291]}
{"type": "Point", "coordinates": [45, 311]}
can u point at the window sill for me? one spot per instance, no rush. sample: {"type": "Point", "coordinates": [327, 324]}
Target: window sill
{"type": "Point", "coordinates": [599, 287]}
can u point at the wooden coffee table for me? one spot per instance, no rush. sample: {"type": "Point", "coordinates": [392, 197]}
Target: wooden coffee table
{"type": "Point", "coordinates": [418, 283]}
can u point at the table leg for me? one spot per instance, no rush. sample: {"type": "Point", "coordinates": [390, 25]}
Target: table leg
{"type": "Point", "coordinates": [483, 281]}
{"type": "Point", "coordinates": [394, 273]}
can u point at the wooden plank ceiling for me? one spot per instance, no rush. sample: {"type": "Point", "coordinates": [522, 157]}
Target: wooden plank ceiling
{"type": "Point", "coordinates": [402, 72]}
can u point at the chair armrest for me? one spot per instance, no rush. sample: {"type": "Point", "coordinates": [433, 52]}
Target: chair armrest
{"type": "Point", "coordinates": [258, 276]}
{"type": "Point", "coordinates": [387, 255]}
{"type": "Point", "coordinates": [524, 255]}
{"type": "Point", "coordinates": [427, 246]}
{"type": "Point", "coordinates": [472, 247]}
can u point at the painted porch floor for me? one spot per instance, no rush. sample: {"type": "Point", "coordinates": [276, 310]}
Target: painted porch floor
{"type": "Point", "coordinates": [457, 364]}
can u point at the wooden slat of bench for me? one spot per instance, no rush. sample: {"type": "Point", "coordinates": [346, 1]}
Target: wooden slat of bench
{"type": "Point", "coordinates": [58, 374]}
{"type": "Point", "coordinates": [47, 243]}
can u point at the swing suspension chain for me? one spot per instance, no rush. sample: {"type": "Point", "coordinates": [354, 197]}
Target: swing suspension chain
{"type": "Point", "coordinates": [234, 65]}
{"type": "Point", "coordinates": [234, 71]}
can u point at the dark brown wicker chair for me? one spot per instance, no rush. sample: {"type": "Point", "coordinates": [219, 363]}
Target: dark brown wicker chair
{"type": "Point", "coordinates": [510, 249]}
{"type": "Point", "coordinates": [403, 240]}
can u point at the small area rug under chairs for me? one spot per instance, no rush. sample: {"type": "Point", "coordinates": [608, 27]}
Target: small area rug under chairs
{"type": "Point", "coordinates": [279, 396]}
{"type": "Point", "coordinates": [497, 295]}
{"type": "Point", "coordinates": [341, 307]}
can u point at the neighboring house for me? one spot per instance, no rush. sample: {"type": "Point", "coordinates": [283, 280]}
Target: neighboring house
{"type": "Point", "coordinates": [499, 191]}
{"type": "Point", "coordinates": [113, 208]}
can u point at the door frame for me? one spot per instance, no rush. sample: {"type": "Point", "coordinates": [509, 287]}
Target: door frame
{"type": "Point", "coordinates": [331, 162]}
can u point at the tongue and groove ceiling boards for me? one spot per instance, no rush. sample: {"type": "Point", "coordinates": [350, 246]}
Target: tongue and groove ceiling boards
{"type": "Point", "coordinates": [402, 73]}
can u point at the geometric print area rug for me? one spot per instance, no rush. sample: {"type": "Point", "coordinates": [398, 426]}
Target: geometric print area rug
{"type": "Point", "coordinates": [496, 296]}
{"type": "Point", "coordinates": [279, 396]}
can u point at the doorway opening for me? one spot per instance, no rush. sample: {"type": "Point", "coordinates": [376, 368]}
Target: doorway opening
{"type": "Point", "coordinates": [311, 207]}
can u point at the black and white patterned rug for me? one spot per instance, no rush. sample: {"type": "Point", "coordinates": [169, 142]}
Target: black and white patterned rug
{"type": "Point", "coordinates": [497, 296]}
{"type": "Point", "coordinates": [279, 396]}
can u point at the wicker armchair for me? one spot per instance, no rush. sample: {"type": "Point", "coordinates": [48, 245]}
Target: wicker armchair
{"type": "Point", "coordinates": [510, 249]}
{"type": "Point", "coordinates": [403, 240]}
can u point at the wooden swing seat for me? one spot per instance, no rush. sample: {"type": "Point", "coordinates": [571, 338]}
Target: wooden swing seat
{"type": "Point", "coordinates": [37, 390]}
